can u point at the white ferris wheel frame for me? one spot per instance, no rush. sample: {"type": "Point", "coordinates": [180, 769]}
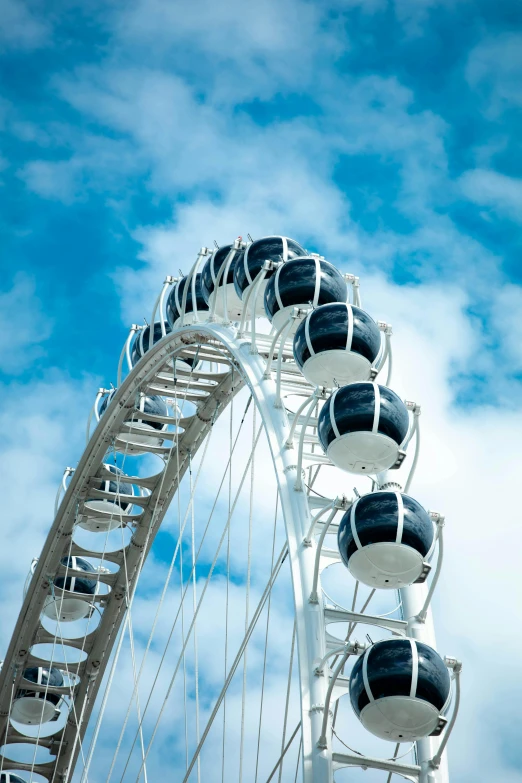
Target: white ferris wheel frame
{"type": "Point", "coordinates": [314, 643]}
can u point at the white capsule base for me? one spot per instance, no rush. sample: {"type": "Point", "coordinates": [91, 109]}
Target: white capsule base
{"type": "Point", "coordinates": [400, 718]}
{"type": "Point", "coordinates": [386, 565]}
{"type": "Point", "coordinates": [129, 442]}
{"type": "Point", "coordinates": [31, 711]}
{"type": "Point", "coordinates": [363, 452]}
{"type": "Point", "coordinates": [234, 303]}
{"type": "Point", "coordinates": [66, 610]}
{"type": "Point", "coordinates": [336, 367]}
{"type": "Point", "coordinates": [192, 318]}
{"type": "Point", "coordinates": [282, 316]}
{"type": "Point", "coordinates": [113, 516]}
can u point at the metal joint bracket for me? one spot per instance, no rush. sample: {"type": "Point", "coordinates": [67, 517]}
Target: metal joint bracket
{"type": "Point", "coordinates": [400, 459]}
{"type": "Point", "coordinates": [392, 486]}
{"type": "Point", "coordinates": [352, 648]}
{"type": "Point", "coordinates": [341, 502]}
{"type": "Point", "coordinates": [322, 743]}
{"type": "Point", "coordinates": [426, 568]}
{"type": "Point", "coordinates": [453, 663]}
{"type": "Point", "coordinates": [385, 328]}
{"type": "Point", "coordinates": [414, 407]}
{"type": "Point", "coordinates": [269, 265]}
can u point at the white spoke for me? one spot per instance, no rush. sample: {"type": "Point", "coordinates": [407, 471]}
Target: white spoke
{"type": "Point", "coordinates": [186, 640]}
{"type": "Point", "coordinates": [266, 642]}
{"type": "Point", "coordinates": [287, 700]}
{"type": "Point", "coordinates": [283, 754]}
{"type": "Point", "coordinates": [194, 607]}
{"type": "Point", "coordinates": [239, 655]}
{"type": "Point", "coordinates": [247, 600]}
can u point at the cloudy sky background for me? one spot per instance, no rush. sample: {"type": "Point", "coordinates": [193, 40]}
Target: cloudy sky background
{"type": "Point", "coordinates": [382, 134]}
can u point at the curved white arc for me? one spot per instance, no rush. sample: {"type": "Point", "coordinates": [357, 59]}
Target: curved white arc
{"type": "Point", "coordinates": [92, 457]}
{"type": "Point", "coordinates": [310, 620]}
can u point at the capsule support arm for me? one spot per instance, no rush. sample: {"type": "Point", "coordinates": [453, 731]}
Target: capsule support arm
{"type": "Point", "coordinates": [352, 648]}
{"type": "Point", "coordinates": [204, 251]}
{"type": "Point", "coordinates": [338, 504]}
{"type": "Point", "coordinates": [356, 284]}
{"type": "Point", "coordinates": [125, 352]}
{"type": "Point", "coordinates": [252, 292]}
{"type": "Point", "coordinates": [169, 280]}
{"type": "Point", "coordinates": [94, 411]}
{"type": "Point", "coordinates": [431, 766]}
{"type": "Point", "coordinates": [421, 617]}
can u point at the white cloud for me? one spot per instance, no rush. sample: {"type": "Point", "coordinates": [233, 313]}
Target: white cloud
{"type": "Point", "coordinates": [494, 69]}
{"type": "Point", "coordinates": [500, 193]}
{"type": "Point", "coordinates": [51, 179]}
{"type": "Point", "coordinates": [248, 52]}
{"type": "Point", "coordinates": [24, 326]}
{"type": "Point", "coordinates": [507, 310]}
{"type": "Point", "coordinates": [183, 130]}
{"type": "Point", "coordinates": [43, 431]}
{"type": "Point", "coordinates": [468, 469]}
{"type": "Point", "coordinates": [237, 176]}
{"type": "Point", "coordinates": [20, 27]}
{"type": "Point", "coordinates": [101, 164]}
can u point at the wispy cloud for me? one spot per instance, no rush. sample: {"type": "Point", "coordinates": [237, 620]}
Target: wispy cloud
{"type": "Point", "coordinates": [24, 326]}
{"type": "Point", "coordinates": [494, 69]}
{"type": "Point", "coordinates": [498, 192]}
{"type": "Point", "coordinates": [368, 133]}
{"type": "Point", "coordinates": [20, 27]}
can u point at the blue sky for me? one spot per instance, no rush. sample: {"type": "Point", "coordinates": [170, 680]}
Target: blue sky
{"type": "Point", "coordinates": [401, 118]}
{"type": "Point", "coordinates": [384, 133]}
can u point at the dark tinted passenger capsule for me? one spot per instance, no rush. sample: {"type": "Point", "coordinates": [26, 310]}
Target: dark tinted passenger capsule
{"type": "Point", "coordinates": [219, 272]}
{"type": "Point", "coordinates": [10, 777]}
{"type": "Point", "coordinates": [74, 602]}
{"type": "Point", "coordinates": [336, 344]}
{"type": "Point", "coordinates": [277, 249]}
{"type": "Point", "coordinates": [406, 691]}
{"type": "Point", "coordinates": [304, 282]}
{"type": "Point", "coordinates": [362, 426]}
{"type": "Point", "coordinates": [193, 314]}
{"type": "Point", "coordinates": [384, 539]}
{"type": "Point", "coordinates": [32, 707]}
{"type": "Point", "coordinates": [141, 342]}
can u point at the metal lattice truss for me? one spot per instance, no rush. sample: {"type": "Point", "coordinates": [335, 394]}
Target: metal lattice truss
{"type": "Point", "coordinates": [239, 365]}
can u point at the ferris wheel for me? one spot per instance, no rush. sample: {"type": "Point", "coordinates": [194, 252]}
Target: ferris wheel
{"type": "Point", "coordinates": [237, 582]}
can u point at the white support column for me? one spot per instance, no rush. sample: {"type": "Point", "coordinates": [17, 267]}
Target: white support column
{"type": "Point", "coordinates": [317, 763]}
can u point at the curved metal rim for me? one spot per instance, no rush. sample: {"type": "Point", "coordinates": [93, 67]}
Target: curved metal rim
{"type": "Point", "coordinates": [249, 370]}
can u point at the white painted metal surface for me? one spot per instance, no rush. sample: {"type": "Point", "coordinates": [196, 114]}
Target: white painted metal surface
{"type": "Point", "coordinates": [313, 621]}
